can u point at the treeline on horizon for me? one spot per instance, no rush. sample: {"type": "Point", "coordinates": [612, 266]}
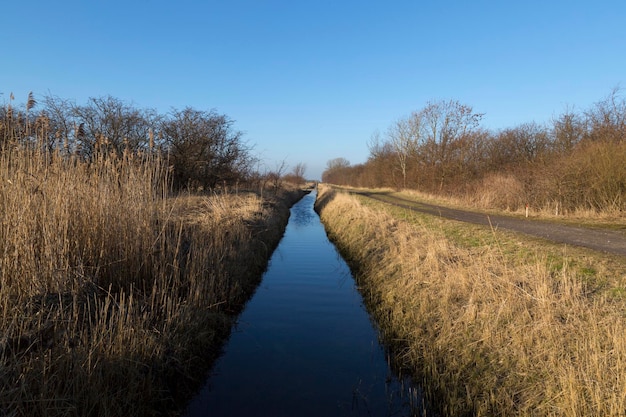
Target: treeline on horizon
{"type": "Point", "coordinates": [575, 163]}
{"type": "Point", "coordinates": [203, 148]}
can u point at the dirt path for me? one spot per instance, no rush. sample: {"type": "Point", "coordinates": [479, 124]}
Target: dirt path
{"type": "Point", "coordinates": [609, 241]}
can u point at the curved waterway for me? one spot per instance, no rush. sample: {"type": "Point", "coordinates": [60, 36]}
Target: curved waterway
{"type": "Point", "coordinates": [304, 345]}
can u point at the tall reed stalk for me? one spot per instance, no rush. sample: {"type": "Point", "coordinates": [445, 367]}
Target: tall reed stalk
{"type": "Point", "coordinates": [115, 295]}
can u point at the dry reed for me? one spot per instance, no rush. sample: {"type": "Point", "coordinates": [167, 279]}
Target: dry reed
{"type": "Point", "coordinates": [114, 295]}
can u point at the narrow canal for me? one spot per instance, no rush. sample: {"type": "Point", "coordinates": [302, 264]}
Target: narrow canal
{"type": "Point", "coordinates": [304, 345]}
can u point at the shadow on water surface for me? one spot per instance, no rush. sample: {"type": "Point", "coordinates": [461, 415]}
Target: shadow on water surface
{"type": "Point", "coordinates": [305, 345]}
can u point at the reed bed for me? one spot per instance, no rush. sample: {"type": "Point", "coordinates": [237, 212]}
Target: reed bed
{"type": "Point", "coordinates": [485, 334]}
{"type": "Point", "coordinates": [115, 295]}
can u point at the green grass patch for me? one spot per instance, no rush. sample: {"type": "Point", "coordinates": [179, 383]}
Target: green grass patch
{"type": "Point", "coordinates": [598, 271]}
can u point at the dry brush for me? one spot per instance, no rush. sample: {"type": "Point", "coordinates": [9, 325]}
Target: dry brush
{"type": "Point", "coordinates": [115, 295]}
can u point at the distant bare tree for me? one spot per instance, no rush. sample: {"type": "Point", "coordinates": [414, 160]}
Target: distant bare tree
{"type": "Point", "coordinates": [337, 163]}
{"type": "Point", "coordinates": [441, 125]}
{"type": "Point", "coordinates": [297, 173]}
{"type": "Point", "coordinates": [375, 144]}
{"type": "Point", "coordinates": [380, 167]}
{"type": "Point", "coordinates": [519, 146]}
{"type": "Point", "coordinates": [607, 120]}
{"type": "Point", "coordinates": [568, 130]}
{"type": "Point", "coordinates": [403, 136]}
{"type": "Point", "coordinates": [335, 171]}
{"type": "Point", "coordinates": [274, 177]}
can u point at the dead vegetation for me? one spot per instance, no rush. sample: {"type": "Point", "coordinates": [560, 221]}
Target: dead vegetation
{"type": "Point", "coordinates": [115, 295]}
{"type": "Point", "coordinates": [487, 329]}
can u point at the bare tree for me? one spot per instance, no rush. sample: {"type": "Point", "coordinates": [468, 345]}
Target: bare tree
{"type": "Point", "coordinates": [274, 177]}
{"type": "Point", "coordinates": [521, 145]}
{"type": "Point", "coordinates": [607, 120]}
{"type": "Point", "coordinates": [204, 148]}
{"type": "Point", "coordinates": [61, 123]}
{"type": "Point", "coordinates": [112, 125]}
{"type": "Point", "coordinates": [335, 171]}
{"type": "Point", "coordinates": [404, 137]}
{"type": "Point", "coordinates": [374, 144]}
{"type": "Point", "coordinates": [441, 125]}
{"type": "Point", "coordinates": [298, 172]}
{"type": "Point", "coordinates": [568, 130]}
{"type": "Point", "coordinates": [380, 167]}
{"type": "Point", "coordinates": [337, 163]}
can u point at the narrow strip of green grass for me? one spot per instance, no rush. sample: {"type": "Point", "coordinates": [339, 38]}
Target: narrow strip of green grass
{"type": "Point", "coordinates": [604, 273]}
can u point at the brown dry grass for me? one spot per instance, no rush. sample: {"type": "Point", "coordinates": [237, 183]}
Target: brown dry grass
{"type": "Point", "coordinates": [491, 203]}
{"type": "Point", "coordinates": [114, 295]}
{"type": "Point", "coordinates": [485, 334]}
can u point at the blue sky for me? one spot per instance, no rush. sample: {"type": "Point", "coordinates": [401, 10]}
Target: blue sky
{"type": "Point", "coordinates": [309, 81]}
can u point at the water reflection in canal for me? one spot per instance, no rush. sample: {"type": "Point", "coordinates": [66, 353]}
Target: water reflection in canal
{"type": "Point", "coordinates": [304, 345]}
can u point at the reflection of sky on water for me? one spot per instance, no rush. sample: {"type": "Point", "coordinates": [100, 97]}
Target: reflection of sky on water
{"type": "Point", "coordinates": [304, 346]}
{"type": "Point", "coordinates": [302, 215]}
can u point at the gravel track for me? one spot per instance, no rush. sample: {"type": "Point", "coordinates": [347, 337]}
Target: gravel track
{"type": "Point", "coordinates": [609, 241]}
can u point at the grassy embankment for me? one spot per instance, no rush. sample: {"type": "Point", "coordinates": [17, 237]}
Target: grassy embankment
{"type": "Point", "coordinates": [115, 296]}
{"type": "Point", "coordinates": [490, 324]}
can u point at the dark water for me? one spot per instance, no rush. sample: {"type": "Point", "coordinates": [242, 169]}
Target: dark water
{"type": "Point", "coordinates": [304, 345]}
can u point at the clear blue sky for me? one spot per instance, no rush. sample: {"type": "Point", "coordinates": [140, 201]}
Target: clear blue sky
{"type": "Point", "coordinates": [308, 81]}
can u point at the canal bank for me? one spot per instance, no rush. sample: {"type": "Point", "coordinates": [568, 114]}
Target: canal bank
{"type": "Point", "coordinates": [489, 325]}
{"type": "Point", "coordinates": [304, 345]}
